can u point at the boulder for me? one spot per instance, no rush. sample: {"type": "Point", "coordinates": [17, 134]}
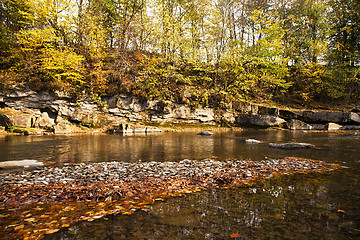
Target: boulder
{"type": "Point", "coordinates": [323, 117]}
{"type": "Point", "coordinates": [333, 126]}
{"type": "Point", "coordinates": [203, 115]}
{"type": "Point", "coordinates": [11, 117]}
{"type": "Point", "coordinates": [295, 124]}
{"type": "Point", "coordinates": [43, 121]}
{"type": "Point", "coordinates": [286, 114]}
{"type": "Point", "coordinates": [22, 120]}
{"type": "Point", "coordinates": [62, 128]}
{"type": "Point", "coordinates": [205, 133]}
{"type": "Point", "coordinates": [354, 118]}
{"type": "Point", "coordinates": [65, 127]}
{"type": "Point", "coordinates": [350, 127]}
{"type": "Point", "coordinates": [259, 120]}
{"type": "Point", "coordinates": [5, 121]}
{"type": "Point", "coordinates": [291, 145]}
{"type": "Point", "coordinates": [318, 126]}
{"type": "Point", "coordinates": [252, 141]}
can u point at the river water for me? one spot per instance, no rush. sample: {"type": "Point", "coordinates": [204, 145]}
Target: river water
{"type": "Point", "coordinates": [312, 206]}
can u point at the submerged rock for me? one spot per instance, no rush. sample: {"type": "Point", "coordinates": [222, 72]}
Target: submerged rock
{"type": "Point", "coordinates": [291, 145]}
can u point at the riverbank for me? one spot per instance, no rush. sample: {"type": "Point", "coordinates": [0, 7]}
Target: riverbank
{"type": "Point", "coordinates": [26, 112]}
{"type": "Point", "coordinates": [34, 203]}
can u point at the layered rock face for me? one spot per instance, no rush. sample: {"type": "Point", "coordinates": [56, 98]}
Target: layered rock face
{"type": "Point", "coordinates": [61, 114]}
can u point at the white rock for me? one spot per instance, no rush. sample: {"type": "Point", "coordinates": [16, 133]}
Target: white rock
{"type": "Point", "coordinates": [21, 163]}
{"type": "Point", "coordinates": [252, 141]}
{"type": "Point", "coordinates": [333, 126]}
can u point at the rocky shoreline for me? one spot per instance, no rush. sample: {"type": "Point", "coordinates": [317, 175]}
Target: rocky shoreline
{"type": "Point", "coordinates": [34, 203]}
{"type": "Point", "coordinates": [24, 111]}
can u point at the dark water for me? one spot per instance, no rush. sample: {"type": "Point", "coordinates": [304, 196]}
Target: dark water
{"type": "Point", "coordinates": [313, 206]}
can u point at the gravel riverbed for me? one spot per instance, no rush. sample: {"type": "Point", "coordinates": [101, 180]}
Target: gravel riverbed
{"type": "Point", "coordinates": [96, 181]}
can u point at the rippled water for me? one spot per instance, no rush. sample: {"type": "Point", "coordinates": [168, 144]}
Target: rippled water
{"type": "Point", "coordinates": [313, 206]}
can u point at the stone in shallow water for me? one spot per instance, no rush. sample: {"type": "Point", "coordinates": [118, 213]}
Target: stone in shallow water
{"type": "Point", "coordinates": [291, 145]}
{"type": "Point", "coordinates": [205, 133]}
{"type": "Point", "coordinates": [252, 141]}
{"type": "Point", "coordinates": [21, 163]}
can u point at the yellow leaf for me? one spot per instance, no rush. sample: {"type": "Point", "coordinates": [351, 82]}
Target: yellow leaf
{"type": "Point", "coordinates": [30, 220]}
{"type": "Point", "coordinates": [51, 231]}
{"type": "Point", "coordinates": [19, 227]}
{"type": "Point", "coordinates": [65, 225]}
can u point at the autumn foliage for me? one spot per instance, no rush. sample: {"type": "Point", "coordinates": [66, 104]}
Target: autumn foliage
{"type": "Point", "coordinates": [206, 53]}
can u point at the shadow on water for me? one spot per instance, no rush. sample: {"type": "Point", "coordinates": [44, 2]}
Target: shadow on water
{"type": "Point", "coordinates": [313, 206]}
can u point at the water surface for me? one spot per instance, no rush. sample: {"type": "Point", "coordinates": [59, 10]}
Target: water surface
{"type": "Point", "coordinates": [312, 206]}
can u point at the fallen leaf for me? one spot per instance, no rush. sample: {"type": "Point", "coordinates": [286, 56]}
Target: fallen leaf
{"type": "Point", "coordinates": [51, 231]}
{"type": "Point", "coordinates": [65, 225]}
{"type": "Point", "coordinates": [19, 227]}
{"type": "Point", "coordinates": [342, 211]}
{"type": "Point", "coordinates": [30, 219]}
{"type": "Point", "coordinates": [234, 235]}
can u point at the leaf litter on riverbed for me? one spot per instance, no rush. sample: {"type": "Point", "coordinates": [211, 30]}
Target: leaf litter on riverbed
{"type": "Point", "coordinates": [31, 211]}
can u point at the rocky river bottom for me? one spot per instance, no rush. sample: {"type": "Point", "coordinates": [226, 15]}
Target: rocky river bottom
{"type": "Point", "coordinates": [42, 201]}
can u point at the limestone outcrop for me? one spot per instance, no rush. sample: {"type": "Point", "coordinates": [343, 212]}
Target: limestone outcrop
{"type": "Point", "coordinates": [59, 113]}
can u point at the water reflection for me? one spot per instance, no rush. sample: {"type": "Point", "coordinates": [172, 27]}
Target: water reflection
{"type": "Point", "coordinates": [175, 147]}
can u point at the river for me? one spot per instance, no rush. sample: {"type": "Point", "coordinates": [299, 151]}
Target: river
{"type": "Point", "coordinates": [312, 206]}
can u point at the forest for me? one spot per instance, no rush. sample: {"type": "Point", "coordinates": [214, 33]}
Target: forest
{"type": "Point", "coordinates": [199, 52]}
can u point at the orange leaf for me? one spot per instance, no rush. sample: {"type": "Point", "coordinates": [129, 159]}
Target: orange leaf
{"type": "Point", "coordinates": [234, 235]}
